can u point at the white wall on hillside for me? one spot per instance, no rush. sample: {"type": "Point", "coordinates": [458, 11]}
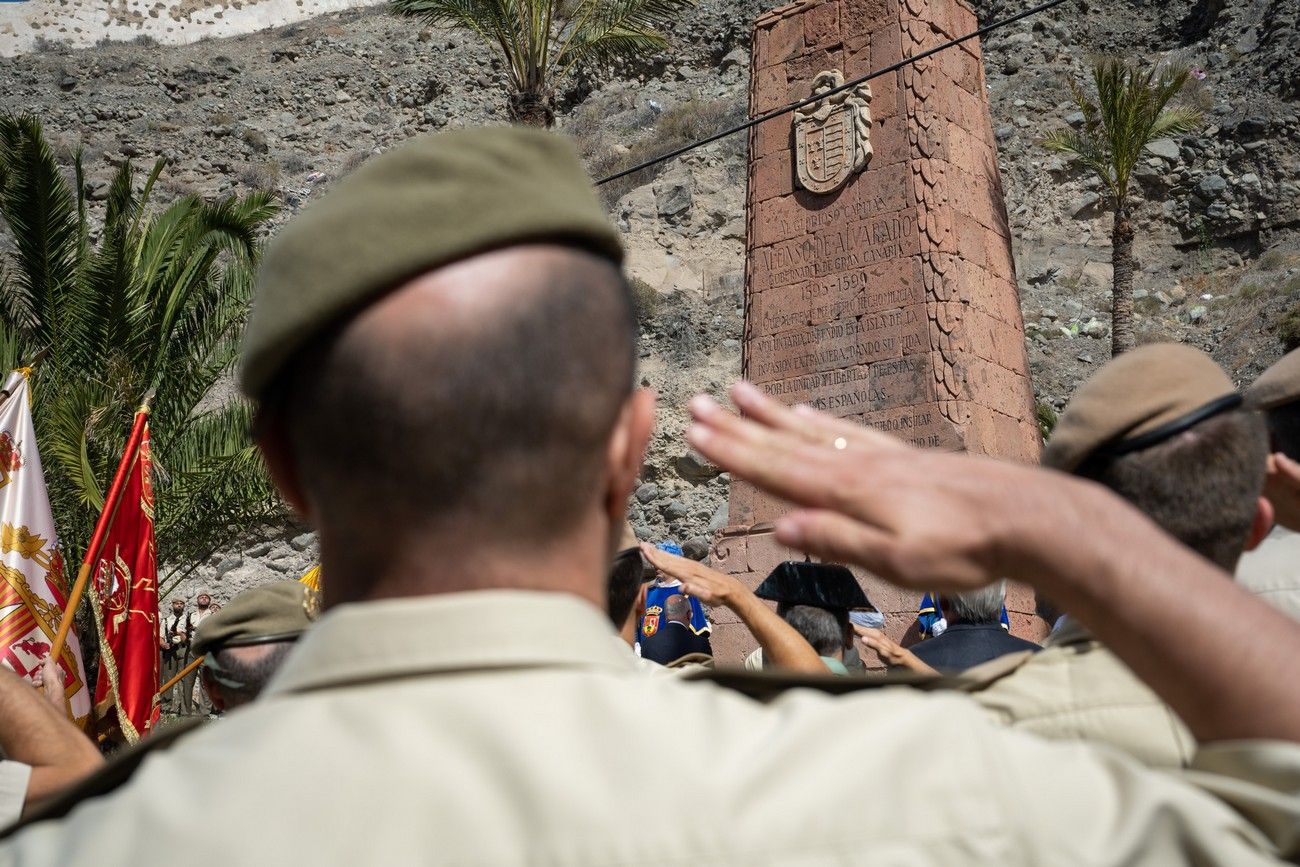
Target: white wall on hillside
{"type": "Point", "coordinates": [80, 23]}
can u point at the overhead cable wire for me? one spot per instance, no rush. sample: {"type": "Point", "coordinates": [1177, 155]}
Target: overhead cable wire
{"type": "Point", "coordinates": [848, 85]}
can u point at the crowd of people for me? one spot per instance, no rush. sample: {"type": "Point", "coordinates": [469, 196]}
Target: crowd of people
{"type": "Point", "coordinates": [186, 696]}
{"type": "Point", "coordinates": [483, 686]}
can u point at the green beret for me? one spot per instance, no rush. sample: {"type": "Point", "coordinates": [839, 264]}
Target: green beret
{"type": "Point", "coordinates": [280, 611]}
{"type": "Point", "coordinates": [430, 202]}
{"type": "Point", "coordinates": [1138, 399]}
{"type": "Point", "coordinates": [1277, 386]}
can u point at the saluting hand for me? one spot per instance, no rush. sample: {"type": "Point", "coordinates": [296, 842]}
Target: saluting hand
{"type": "Point", "coordinates": [920, 518]}
{"type": "Point", "coordinates": [890, 651]}
{"type": "Point", "coordinates": [707, 585]}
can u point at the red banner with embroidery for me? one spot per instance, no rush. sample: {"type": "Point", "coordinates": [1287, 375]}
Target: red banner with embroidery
{"type": "Point", "coordinates": [124, 594]}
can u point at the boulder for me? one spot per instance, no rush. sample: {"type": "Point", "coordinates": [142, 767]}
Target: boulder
{"type": "Point", "coordinates": [1212, 186]}
{"type": "Point", "coordinates": [694, 468]}
{"type": "Point", "coordinates": [673, 199]}
{"type": "Point", "coordinates": [1166, 149]}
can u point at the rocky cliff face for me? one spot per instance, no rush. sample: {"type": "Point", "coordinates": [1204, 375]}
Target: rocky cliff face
{"type": "Point", "coordinates": [294, 109]}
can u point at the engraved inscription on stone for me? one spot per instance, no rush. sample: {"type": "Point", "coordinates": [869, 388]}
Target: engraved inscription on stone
{"type": "Point", "coordinates": [834, 251]}
{"type": "Point", "coordinates": [900, 382]}
{"type": "Point", "coordinates": [838, 344]}
{"type": "Point", "coordinates": [923, 425]}
{"type": "Point", "coordinates": [832, 137]}
{"type": "Point", "coordinates": [851, 391]}
{"type": "Point", "coordinates": [842, 392]}
{"type": "Point", "coordinates": [871, 289]}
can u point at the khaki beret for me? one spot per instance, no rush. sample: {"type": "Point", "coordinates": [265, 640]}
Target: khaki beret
{"type": "Point", "coordinates": [1143, 397]}
{"type": "Point", "coordinates": [428, 203]}
{"type": "Point", "coordinates": [1277, 386]}
{"type": "Point", "coordinates": [280, 611]}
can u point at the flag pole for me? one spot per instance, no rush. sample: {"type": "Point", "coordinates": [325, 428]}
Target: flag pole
{"type": "Point", "coordinates": [106, 517]}
{"type": "Point", "coordinates": [29, 367]}
{"type": "Point", "coordinates": [162, 690]}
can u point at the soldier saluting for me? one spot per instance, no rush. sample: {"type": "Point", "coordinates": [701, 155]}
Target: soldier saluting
{"type": "Point", "coordinates": [457, 310]}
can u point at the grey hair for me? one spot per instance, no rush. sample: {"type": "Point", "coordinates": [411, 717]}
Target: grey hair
{"type": "Point", "coordinates": [827, 631]}
{"type": "Point", "coordinates": [978, 606]}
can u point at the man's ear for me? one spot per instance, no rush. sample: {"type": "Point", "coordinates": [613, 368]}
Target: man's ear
{"type": "Point", "coordinates": [638, 611]}
{"type": "Point", "coordinates": [1282, 487]}
{"type": "Point", "coordinates": [274, 444]}
{"type": "Point", "coordinates": [1262, 524]}
{"type": "Point", "coordinates": [626, 452]}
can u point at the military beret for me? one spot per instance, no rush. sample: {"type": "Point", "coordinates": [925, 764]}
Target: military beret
{"type": "Point", "coordinates": [1136, 400]}
{"type": "Point", "coordinates": [1277, 386]}
{"type": "Point", "coordinates": [822, 585]}
{"type": "Point", "coordinates": [280, 611]}
{"type": "Point", "coordinates": [426, 204]}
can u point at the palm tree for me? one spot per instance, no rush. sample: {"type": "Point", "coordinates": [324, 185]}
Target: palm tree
{"type": "Point", "coordinates": [157, 302]}
{"type": "Point", "coordinates": [542, 41]}
{"type": "Point", "coordinates": [1131, 110]}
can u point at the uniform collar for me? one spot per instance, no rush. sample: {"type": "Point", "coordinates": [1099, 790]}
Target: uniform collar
{"type": "Point", "coordinates": [369, 641]}
{"type": "Point", "coordinates": [962, 625]}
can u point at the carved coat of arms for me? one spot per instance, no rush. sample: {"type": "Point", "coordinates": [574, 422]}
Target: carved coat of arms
{"type": "Point", "coordinates": [832, 137]}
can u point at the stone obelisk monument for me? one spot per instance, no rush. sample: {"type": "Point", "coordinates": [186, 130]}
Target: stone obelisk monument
{"type": "Point", "coordinates": [879, 281]}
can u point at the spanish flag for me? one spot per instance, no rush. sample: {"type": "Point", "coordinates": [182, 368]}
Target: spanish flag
{"type": "Point", "coordinates": [124, 593]}
{"type": "Point", "coordinates": [33, 587]}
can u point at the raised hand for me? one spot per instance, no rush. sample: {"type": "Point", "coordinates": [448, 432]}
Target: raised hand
{"type": "Point", "coordinates": [919, 518]}
{"type": "Point", "coordinates": [890, 651]}
{"type": "Point", "coordinates": [707, 585]}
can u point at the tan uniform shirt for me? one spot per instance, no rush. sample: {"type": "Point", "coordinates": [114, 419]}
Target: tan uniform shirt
{"type": "Point", "coordinates": [14, 777]}
{"type": "Point", "coordinates": [202, 614]}
{"type": "Point", "coordinates": [1272, 571]}
{"type": "Point", "coordinates": [1076, 689]}
{"type": "Point", "coordinates": [504, 727]}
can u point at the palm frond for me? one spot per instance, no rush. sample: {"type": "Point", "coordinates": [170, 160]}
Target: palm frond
{"type": "Point", "coordinates": [213, 482]}
{"type": "Point", "coordinates": [15, 348]}
{"type": "Point", "coordinates": [542, 41]}
{"type": "Point", "coordinates": [613, 29]}
{"type": "Point", "coordinates": [70, 423]}
{"type": "Point", "coordinates": [41, 212]}
{"type": "Point", "coordinates": [612, 45]}
{"type": "Point", "coordinates": [158, 300]}
{"type": "Point", "coordinates": [1178, 120]}
{"type": "Point", "coordinates": [492, 20]}
{"type": "Point", "coordinates": [1129, 111]}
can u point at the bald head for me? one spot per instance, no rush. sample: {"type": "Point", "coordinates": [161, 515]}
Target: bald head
{"type": "Point", "coordinates": [473, 403]}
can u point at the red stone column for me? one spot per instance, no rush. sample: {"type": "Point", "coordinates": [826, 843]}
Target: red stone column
{"type": "Point", "coordinates": [892, 300]}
